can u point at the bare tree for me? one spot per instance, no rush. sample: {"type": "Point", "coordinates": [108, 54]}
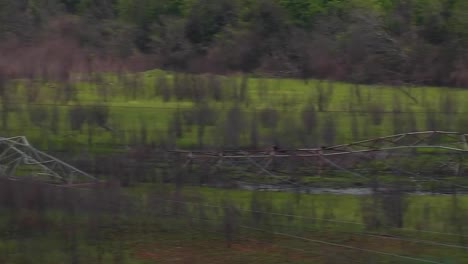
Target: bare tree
{"type": "Point", "coordinates": [329, 130]}
{"type": "Point", "coordinates": [354, 126]}
{"type": "Point", "coordinates": [176, 126]}
{"type": "Point", "coordinates": [234, 126]}
{"type": "Point", "coordinates": [376, 112]}
{"type": "Point", "coordinates": [254, 133]}
{"type": "Point", "coordinates": [309, 118]}
{"type": "Point", "coordinates": [33, 89]}
{"type": "Point", "coordinates": [4, 100]}
{"type": "Point", "coordinates": [77, 116]}
{"type": "Point", "coordinates": [323, 95]}
{"type": "Point", "coordinates": [215, 87]}
{"type": "Point", "coordinates": [162, 87]}
{"type": "Point", "coordinates": [269, 117]}
{"type": "Point", "coordinates": [38, 115]}
{"type": "Point", "coordinates": [98, 115]}
{"type": "Point", "coordinates": [431, 120]}
{"type": "Point", "coordinates": [55, 120]}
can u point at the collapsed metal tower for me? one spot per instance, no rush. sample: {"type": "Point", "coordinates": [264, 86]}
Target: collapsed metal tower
{"type": "Point", "coordinates": [421, 156]}
{"type": "Point", "coordinates": [19, 158]}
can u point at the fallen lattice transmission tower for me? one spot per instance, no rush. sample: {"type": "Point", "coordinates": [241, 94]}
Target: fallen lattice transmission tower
{"type": "Point", "coordinates": [19, 158]}
{"type": "Point", "coordinates": [425, 156]}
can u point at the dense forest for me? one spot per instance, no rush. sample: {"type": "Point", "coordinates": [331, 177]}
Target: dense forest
{"type": "Point", "coordinates": [397, 42]}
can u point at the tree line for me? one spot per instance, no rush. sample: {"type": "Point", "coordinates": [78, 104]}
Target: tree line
{"type": "Point", "coordinates": [363, 41]}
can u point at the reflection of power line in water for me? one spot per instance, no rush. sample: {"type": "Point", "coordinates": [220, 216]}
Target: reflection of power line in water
{"type": "Point", "coordinates": [308, 240]}
{"type": "Point", "coordinates": [341, 245]}
{"type": "Point", "coordinates": [410, 240]}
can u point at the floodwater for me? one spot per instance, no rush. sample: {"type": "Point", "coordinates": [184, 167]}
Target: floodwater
{"type": "Point", "coordinates": [315, 190]}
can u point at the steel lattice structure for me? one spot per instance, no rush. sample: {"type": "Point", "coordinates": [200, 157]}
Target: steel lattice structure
{"type": "Point", "coordinates": [19, 158]}
{"type": "Point", "coordinates": [440, 154]}
{"type": "Point", "coordinates": [429, 155]}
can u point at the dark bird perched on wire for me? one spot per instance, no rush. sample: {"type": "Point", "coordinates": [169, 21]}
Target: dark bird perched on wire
{"type": "Point", "coordinates": [277, 149]}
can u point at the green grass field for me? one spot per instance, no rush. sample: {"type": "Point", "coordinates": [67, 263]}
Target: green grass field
{"type": "Point", "coordinates": [205, 111]}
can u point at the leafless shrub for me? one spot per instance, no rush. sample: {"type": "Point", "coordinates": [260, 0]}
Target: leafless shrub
{"type": "Point", "coordinates": [396, 104]}
{"type": "Point", "coordinates": [215, 87]}
{"type": "Point", "coordinates": [397, 115]}
{"type": "Point", "coordinates": [77, 116]}
{"type": "Point", "coordinates": [143, 132]}
{"type": "Point", "coordinates": [449, 105]}
{"type": "Point", "coordinates": [189, 117]}
{"type": "Point", "coordinates": [393, 206]}
{"type": "Point", "coordinates": [398, 123]}
{"type": "Point", "coordinates": [458, 216]}
{"type": "Point", "coordinates": [32, 91]}
{"type": "Point", "coordinates": [370, 211]}
{"type": "Point", "coordinates": [269, 117]}
{"type": "Point", "coordinates": [260, 205]}
{"type": "Point", "coordinates": [262, 88]}
{"type": "Point", "coordinates": [328, 214]}
{"type": "Point", "coordinates": [69, 92]}
{"type": "Point", "coordinates": [175, 126]}
{"type": "Point", "coordinates": [432, 122]}
{"type": "Point", "coordinates": [460, 75]}
{"type": "Point", "coordinates": [55, 120]}
{"type": "Point", "coordinates": [4, 100]}
{"type": "Point", "coordinates": [137, 86]}
{"type": "Point", "coordinates": [38, 115]}
{"type": "Point", "coordinates": [98, 115]}
{"type": "Point", "coordinates": [290, 134]}
{"type": "Point", "coordinates": [354, 126]}
{"type": "Point", "coordinates": [162, 87]}
{"type": "Point", "coordinates": [181, 85]}
{"type": "Point", "coordinates": [462, 124]}
{"type": "Point", "coordinates": [132, 85]}
{"type": "Point", "coordinates": [243, 89]}
{"type": "Point", "coordinates": [329, 130]}
{"type": "Point", "coordinates": [309, 118]}
{"type": "Point", "coordinates": [376, 112]}
{"type": "Point", "coordinates": [254, 133]}
{"type": "Point", "coordinates": [357, 92]}
{"type": "Point", "coordinates": [201, 115]}
{"type": "Point", "coordinates": [205, 114]}
{"type": "Point", "coordinates": [323, 95]}
{"type": "Point", "coordinates": [412, 124]}
{"type": "Point", "coordinates": [198, 89]}
{"type": "Point", "coordinates": [200, 135]}
{"type": "Point", "coordinates": [234, 126]}
{"type": "Point", "coordinates": [102, 90]}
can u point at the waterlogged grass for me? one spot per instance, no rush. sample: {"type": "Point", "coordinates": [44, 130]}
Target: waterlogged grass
{"type": "Point", "coordinates": [421, 212]}
{"type": "Point", "coordinates": [293, 227]}
{"type": "Point", "coordinates": [192, 225]}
